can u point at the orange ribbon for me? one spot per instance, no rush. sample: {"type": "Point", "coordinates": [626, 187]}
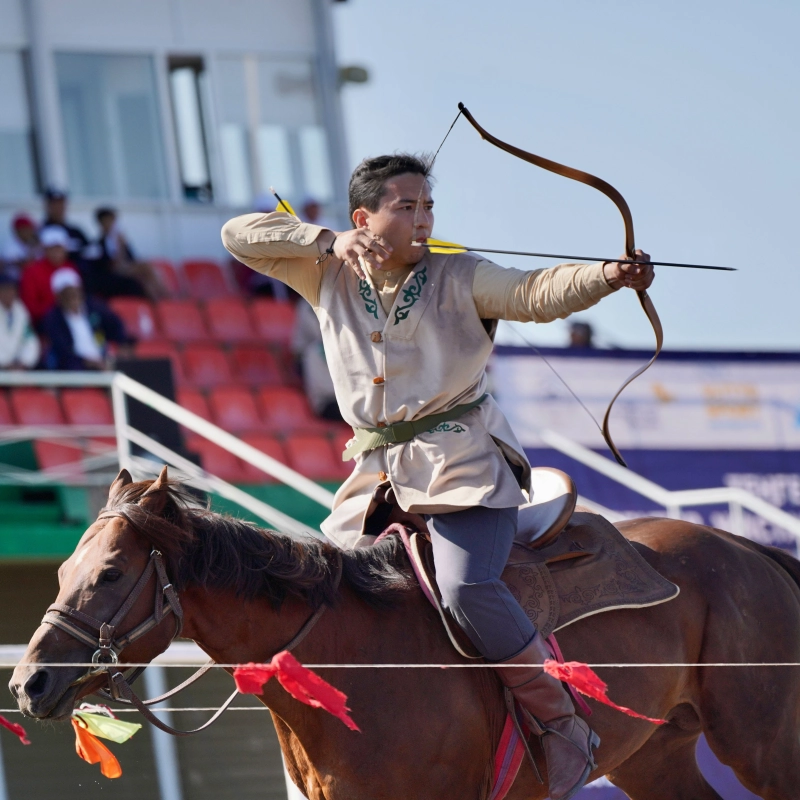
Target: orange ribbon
{"type": "Point", "coordinates": [91, 749]}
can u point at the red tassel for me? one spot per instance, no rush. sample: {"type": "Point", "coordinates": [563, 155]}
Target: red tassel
{"type": "Point", "coordinates": [15, 729]}
{"type": "Point", "coordinates": [303, 684]}
{"type": "Point", "coordinates": [588, 682]}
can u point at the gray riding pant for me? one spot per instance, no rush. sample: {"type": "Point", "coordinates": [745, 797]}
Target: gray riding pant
{"type": "Point", "coordinates": [470, 550]}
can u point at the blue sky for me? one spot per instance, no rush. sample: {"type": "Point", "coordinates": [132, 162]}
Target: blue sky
{"type": "Point", "coordinates": [689, 108]}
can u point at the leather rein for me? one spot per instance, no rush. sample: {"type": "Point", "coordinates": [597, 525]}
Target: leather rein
{"type": "Point", "coordinates": [102, 636]}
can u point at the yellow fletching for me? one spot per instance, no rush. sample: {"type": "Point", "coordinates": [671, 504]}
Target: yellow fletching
{"type": "Point", "coordinates": [439, 246]}
{"type": "Point", "coordinates": [287, 207]}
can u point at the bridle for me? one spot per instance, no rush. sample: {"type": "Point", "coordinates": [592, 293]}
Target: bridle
{"type": "Point", "coordinates": [102, 635]}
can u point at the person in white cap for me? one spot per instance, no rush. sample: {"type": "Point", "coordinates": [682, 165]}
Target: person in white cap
{"type": "Point", "coordinates": [19, 345]}
{"type": "Point", "coordinates": [34, 289]}
{"type": "Point", "coordinates": [78, 328]}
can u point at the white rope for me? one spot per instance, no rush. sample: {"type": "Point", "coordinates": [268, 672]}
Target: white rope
{"type": "Point", "coordinates": [162, 710]}
{"type": "Point", "coordinates": [428, 666]}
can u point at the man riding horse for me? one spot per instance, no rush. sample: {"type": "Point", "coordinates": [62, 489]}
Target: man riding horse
{"type": "Point", "coordinates": [407, 336]}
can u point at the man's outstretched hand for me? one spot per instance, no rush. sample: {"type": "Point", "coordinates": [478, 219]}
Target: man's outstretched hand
{"type": "Point", "coordinates": [634, 276]}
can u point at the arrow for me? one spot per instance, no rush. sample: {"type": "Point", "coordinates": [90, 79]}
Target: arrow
{"type": "Point", "coordinates": [437, 246]}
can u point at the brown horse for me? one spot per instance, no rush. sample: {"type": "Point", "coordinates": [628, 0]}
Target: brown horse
{"type": "Point", "coordinates": [432, 733]}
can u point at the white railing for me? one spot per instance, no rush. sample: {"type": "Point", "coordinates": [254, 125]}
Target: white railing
{"type": "Point", "coordinates": [122, 386]}
{"type": "Point", "coordinates": [674, 502]}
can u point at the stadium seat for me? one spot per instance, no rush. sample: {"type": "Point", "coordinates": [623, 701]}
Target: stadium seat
{"type": "Point", "coordinates": [87, 407]}
{"type": "Point", "coordinates": [52, 455]}
{"type": "Point", "coordinates": [138, 316]}
{"type": "Point", "coordinates": [228, 320]}
{"type": "Point", "coordinates": [341, 436]}
{"type": "Point", "coordinates": [169, 277]}
{"type": "Point", "coordinates": [273, 320]}
{"type": "Point", "coordinates": [206, 365]}
{"type": "Point", "coordinates": [217, 461]}
{"type": "Point", "coordinates": [266, 444]}
{"type": "Point", "coordinates": [181, 321]}
{"type": "Point", "coordinates": [5, 410]}
{"type": "Point", "coordinates": [312, 456]}
{"type": "Point", "coordinates": [286, 409]}
{"type": "Point", "coordinates": [36, 407]}
{"type": "Point", "coordinates": [256, 366]}
{"type": "Point", "coordinates": [163, 349]}
{"type": "Point", "coordinates": [193, 400]}
{"type": "Point", "coordinates": [234, 409]}
{"type": "Point", "coordinates": [205, 280]}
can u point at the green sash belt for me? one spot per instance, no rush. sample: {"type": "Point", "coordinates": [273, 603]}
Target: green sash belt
{"type": "Point", "coordinates": [370, 438]}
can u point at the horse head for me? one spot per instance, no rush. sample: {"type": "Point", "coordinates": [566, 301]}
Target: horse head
{"type": "Point", "coordinates": [105, 610]}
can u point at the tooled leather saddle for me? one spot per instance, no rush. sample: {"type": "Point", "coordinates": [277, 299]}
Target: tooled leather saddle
{"type": "Point", "coordinates": [567, 563]}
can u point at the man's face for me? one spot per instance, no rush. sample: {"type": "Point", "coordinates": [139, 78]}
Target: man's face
{"type": "Point", "coordinates": [71, 299]}
{"type": "Point", "coordinates": [8, 294]}
{"type": "Point", "coordinates": [107, 223]}
{"type": "Point", "coordinates": [56, 209]}
{"type": "Point", "coordinates": [56, 255]}
{"type": "Point", "coordinates": [397, 219]}
{"type": "Point", "coordinates": [26, 233]}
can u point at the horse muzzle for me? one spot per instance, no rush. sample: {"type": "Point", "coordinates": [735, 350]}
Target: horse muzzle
{"type": "Point", "coordinates": [43, 692]}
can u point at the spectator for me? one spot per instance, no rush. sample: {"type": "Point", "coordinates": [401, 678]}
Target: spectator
{"type": "Point", "coordinates": [23, 246]}
{"type": "Point", "coordinates": [580, 335]}
{"type": "Point", "coordinates": [34, 287]}
{"type": "Point", "coordinates": [55, 212]}
{"type": "Point", "coordinates": [19, 345]}
{"type": "Point", "coordinates": [80, 328]}
{"type": "Point", "coordinates": [312, 212]}
{"type": "Point", "coordinates": [307, 348]}
{"type": "Point", "coordinates": [112, 269]}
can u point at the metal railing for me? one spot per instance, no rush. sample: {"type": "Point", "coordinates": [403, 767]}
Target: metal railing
{"type": "Point", "coordinates": [674, 502]}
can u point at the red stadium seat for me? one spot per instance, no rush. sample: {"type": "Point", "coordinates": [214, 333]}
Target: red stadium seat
{"type": "Point", "coordinates": [193, 400]}
{"type": "Point", "coordinates": [217, 461]}
{"type": "Point", "coordinates": [341, 436]}
{"type": "Point", "coordinates": [312, 456]}
{"type": "Point", "coordinates": [36, 407]}
{"type": "Point", "coordinates": [169, 277]}
{"type": "Point", "coordinates": [205, 280]}
{"type": "Point", "coordinates": [52, 455]}
{"type": "Point", "coordinates": [256, 366]}
{"type": "Point", "coordinates": [235, 409]}
{"type": "Point", "coordinates": [228, 320]}
{"type": "Point", "coordinates": [181, 321]}
{"type": "Point", "coordinates": [87, 407]}
{"type": "Point", "coordinates": [266, 444]}
{"type": "Point", "coordinates": [286, 409]}
{"type": "Point", "coordinates": [138, 316]}
{"type": "Point", "coordinates": [206, 365]}
{"type": "Point", "coordinates": [163, 350]}
{"type": "Point", "coordinates": [5, 410]}
{"type": "Point", "coordinates": [273, 320]}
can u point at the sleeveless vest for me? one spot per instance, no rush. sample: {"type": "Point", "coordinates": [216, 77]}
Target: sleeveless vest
{"type": "Point", "coordinates": [427, 355]}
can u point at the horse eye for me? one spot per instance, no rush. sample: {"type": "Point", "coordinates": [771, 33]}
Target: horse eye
{"type": "Point", "coordinates": [111, 575]}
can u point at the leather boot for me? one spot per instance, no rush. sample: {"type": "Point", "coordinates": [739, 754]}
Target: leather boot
{"type": "Point", "coordinates": [567, 741]}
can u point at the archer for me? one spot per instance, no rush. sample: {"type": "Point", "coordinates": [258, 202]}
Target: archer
{"type": "Point", "coordinates": [407, 336]}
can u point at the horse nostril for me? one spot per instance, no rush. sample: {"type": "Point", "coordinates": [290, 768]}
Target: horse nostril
{"type": "Point", "coordinates": [35, 685]}
{"type": "Point", "coordinates": [14, 689]}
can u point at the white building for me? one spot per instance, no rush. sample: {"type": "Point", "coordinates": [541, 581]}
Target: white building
{"type": "Point", "coordinates": [177, 112]}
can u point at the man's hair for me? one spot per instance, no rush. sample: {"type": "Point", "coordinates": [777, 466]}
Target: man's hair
{"type": "Point", "coordinates": [104, 212]}
{"type": "Point", "coordinates": [368, 182]}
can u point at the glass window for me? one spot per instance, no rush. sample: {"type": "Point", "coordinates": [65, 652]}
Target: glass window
{"type": "Point", "coordinates": [112, 130]}
{"type": "Point", "coordinates": [231, 103]}
{"type": "Point", "coordinates": [316, 166]}
{"type": "Point", "coordinates": [17, 170]}
{"type": "Point", "coordinates": [185, 77]}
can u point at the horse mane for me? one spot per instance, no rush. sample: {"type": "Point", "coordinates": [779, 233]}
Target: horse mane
{"type": "Point", "coordinates": [217, 551]}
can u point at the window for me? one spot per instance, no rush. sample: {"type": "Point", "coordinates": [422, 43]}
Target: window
{"type": "Point", "coordinates": [270, 132]}
{"type": "Point", "coordinates": [17, 164]}
{"type": "Point", "coordinates": [111, 124]}
{"type": "Point", "coordinates": [187, 85]}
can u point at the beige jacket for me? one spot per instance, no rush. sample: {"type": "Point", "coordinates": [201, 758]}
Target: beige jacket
{"type": "Point", "coordinates": [402, 353]}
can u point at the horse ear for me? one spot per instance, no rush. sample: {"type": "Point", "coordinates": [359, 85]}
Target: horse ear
{"type": "Point", "coordinates": [122, 480]}
{"type": "Point", "coordinates": [155, 498]}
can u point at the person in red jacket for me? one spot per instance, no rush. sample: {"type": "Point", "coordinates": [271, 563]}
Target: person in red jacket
{"type": "Point", "coordinates": [34, 288]}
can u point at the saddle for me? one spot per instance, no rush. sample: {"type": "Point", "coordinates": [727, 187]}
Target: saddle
{"type": "Point", "coordinates": [567, 563]}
